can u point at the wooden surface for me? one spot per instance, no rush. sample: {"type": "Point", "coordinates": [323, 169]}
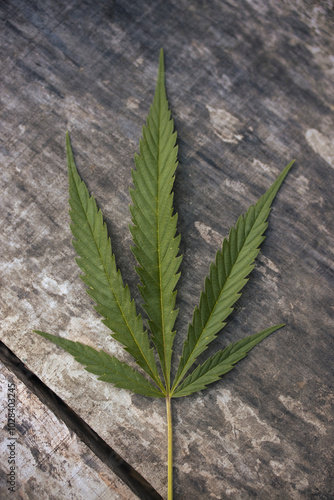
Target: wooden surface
{"type": "Point", "coordinates": [250, 85]}
{"type": "Point", "coordinates": [50, 462]}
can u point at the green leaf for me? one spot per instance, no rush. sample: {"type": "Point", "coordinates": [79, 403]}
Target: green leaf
{"type": "Point", "coordinates": [227, 277]}
{"type": "Point", "coordinates": [221, 363]}
{"type": "Point", "coordinates": [104, 281]}
{"type": "Point", "coordinates": [156, 247]}
{"type": "Point", "coordinates": [108, 368]}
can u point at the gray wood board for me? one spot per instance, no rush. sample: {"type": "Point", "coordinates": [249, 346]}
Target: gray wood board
{"type": "Point", "coordinates": [48, 460]}
{"type": "Point", "coordinates": [251, 87]}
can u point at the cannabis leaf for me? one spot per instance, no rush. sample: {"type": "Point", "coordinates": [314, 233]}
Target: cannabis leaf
{"type": "Point", "coordinates": [227, 277]}
{"type": "Point", "coordinates": [221, 363]}
{"type": "Point", "coordinates": [101, 275]}
{"type": "Point", "coordinates": [109, 368]}
{"type": "Point", "coordinates": [156, 250]}
{"type": "Point", "coordinates": [154, 226]}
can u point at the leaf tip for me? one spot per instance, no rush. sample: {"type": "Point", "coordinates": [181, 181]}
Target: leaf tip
{"type": "Point", "coordinates": [42, 334]}
{"type": "Point", "coordinates": [288, 167]}
{"type": "Point", "coordinates": [68, 144]}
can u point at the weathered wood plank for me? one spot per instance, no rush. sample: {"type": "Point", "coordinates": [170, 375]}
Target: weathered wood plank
{"type": "Point", "coordinates": [47, 460]}
{"type": "Point", "coordinates": [250, 85]}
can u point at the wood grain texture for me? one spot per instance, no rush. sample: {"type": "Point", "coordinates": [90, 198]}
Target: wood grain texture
{"type": "Point", "coordinates": [250, 85]}
{"type": "Point", "coordinates": [50, 462]}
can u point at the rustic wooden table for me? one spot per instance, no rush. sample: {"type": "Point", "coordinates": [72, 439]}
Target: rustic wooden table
{"type": "Point", "coordinates": [250, 84]}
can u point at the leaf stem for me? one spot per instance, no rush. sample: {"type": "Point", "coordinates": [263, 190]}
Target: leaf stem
{"type": "Point", "coordinates": [170, 447]}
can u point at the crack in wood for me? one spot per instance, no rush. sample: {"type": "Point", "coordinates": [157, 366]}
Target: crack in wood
{"type": "Point", "coordinates": [102, 450]}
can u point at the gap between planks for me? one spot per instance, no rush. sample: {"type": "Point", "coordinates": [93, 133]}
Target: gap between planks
{"type": "Point", "coordinates": [85, 433]}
